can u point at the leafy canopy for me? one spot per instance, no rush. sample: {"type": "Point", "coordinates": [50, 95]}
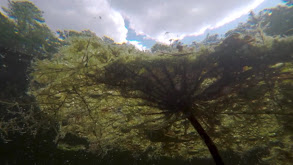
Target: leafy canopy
{"type": "Point", "coordinates": [122, 99]}
{"type": "Point", "coordinates": [25, 30]}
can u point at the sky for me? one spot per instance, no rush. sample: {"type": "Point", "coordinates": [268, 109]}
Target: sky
{"type": "Point", "coordinates": [145, 22]}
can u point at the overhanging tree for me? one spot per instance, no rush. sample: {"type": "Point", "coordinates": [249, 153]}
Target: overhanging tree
{"type": "Point", "coordinates": [28, 31]}
{"type": "Point", "coordinates": [120, 98]}
{"type": "Point", "coordinates": [24, 130]}
{"type": "Point", "coordinates": [202, 88]}
{"type": "Point", "coordinates": [23, 37]}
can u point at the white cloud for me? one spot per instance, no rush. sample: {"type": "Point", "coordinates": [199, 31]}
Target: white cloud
{"type": "Point", "coordinates": [239, 13]}
{"type": "Point", "coordinates": [95, 15]}
{"type": "Point", "coordinates": [3, 3]}
{"type": "Point", "coordinates": [158, 19]}
{"type": "Point", "coordinates": [138, 45]}
{"type": "Point", "coordinates": [180, 17]}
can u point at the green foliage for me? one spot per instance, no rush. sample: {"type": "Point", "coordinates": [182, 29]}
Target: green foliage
{"type": "Point", "coordinates": [20, 116]}
{"type": "Point", "coordinates": [23, 37]}
{"type": "Point", "coordinates": [80, 104]}
{"type": "Point", "coordinates": [158, 47]}
{"type": "Point", "coordinates": [108, 40]}
{"type": "Point", "coordinates": [71, 33]}
{"type": "Point", "coordinates": [25, 30]}
{"type": "Point", "coordinates": [211, 39]}
{"type": "Point", "coordinates": [122, 99]}
{"type": "Point", "coordinates": [210, 86]}
{"type": "Point", "coordinates": [273, 22]}
{"type": "Point", "coordinates": [25, 14]}
{"type": "Point", "coordinates": [7, 33]}
{"type": "Point", "coordinates": [279, 21]}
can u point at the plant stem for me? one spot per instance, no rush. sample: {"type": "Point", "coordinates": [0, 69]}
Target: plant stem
{"type": "Point", "coordinates": [208, 141]}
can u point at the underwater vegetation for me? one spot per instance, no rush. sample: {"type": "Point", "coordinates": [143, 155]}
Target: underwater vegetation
{"type": "Point", "coordinates": [85, 94]}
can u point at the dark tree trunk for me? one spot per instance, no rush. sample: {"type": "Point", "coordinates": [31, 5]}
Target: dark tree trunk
{"type": "Point", "coordinates": [208, 141]}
